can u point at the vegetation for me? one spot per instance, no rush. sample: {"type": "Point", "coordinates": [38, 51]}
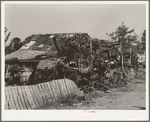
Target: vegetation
{"type": "Point", "coordinates": [14, 45]}
{"type": "Point", "coordinates": [124, 36]}
{"type": "Point", "coordinates": [142, 45]}
{"type": "Point", "coordinates": [6, 36]}
{"type": "Point", "coordinates": [76, 47]}
{"type": "Point", "coordinates": [71, 99]}
{"type": "Point", "coordinates": [143, 40]}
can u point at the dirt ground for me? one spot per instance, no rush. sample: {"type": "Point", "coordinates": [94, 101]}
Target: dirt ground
{"type": "Point", "coordinates": [129, 97]}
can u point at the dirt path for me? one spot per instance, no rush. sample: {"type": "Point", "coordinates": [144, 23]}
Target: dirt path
{"type": "Point", "coordinates": [131, 97]}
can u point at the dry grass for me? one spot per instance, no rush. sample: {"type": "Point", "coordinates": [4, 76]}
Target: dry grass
{"type": "Point", "coordinates": [141, 75]}
{"type": "Point", "coordinates": [72, 101]}
{"type": "Point", "coordinates": [64, 103]}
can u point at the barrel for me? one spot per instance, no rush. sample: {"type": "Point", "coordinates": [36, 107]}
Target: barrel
{"type": "Point", "coordinates": [7, 75]}
{"type": "Point", "coordinates": [72, 74]}
{"type": "Point", "coordinates": [24, 77]}
{"type": "Point", "coordinates": [132, 74]}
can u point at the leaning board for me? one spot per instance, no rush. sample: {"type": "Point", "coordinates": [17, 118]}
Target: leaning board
{"type": "Point", "coordinates": [34, 96]}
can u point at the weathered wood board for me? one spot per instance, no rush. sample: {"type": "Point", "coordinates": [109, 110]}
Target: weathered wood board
{"type": "Point", "coordinates": [34, 96]}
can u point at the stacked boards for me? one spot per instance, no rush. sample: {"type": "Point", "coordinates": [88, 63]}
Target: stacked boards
{"type": "Point", "coordinates": [34, 96]}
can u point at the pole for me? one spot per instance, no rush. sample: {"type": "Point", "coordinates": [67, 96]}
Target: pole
{"type": "Point", "coordinates": [145, 54]}
{"type": "Point", "coordinates": [91, 51]}
{"type": "Point", "coordinates": [130, 53]}
{"type": "Point", "coordinates": [121, 55]}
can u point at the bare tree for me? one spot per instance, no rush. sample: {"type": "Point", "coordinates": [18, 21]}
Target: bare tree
{"type": "Point", "coordinates": [14, 45]}
{"type": "Point", "coordinates": [6, 36]}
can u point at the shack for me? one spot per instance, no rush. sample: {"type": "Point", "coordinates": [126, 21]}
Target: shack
{"type": "Point", "coordinates": [37, 56]}
{"type": "Point", "coordinates": [25, 60]}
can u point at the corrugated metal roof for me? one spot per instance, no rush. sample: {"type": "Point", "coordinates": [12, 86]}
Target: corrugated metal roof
{"type": "Point", "coordinates": [48, 48]}
{"type": "Point", "coordinates": [42, 39]}
{"type": "Point", "coordinates": [24, 54]}
{"type": "Point", "coordinates": [35, 37]}
{"type": "Point", "coordinates": [43, 42]}
{"type": "Point", "coordinates": [41, 45]}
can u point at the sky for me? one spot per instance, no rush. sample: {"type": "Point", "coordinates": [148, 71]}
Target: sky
{"type": "Point", "coordinates": [23, 20]}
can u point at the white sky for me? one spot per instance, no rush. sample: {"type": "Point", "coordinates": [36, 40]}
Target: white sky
{"type": "Point", "coordinates": [24, 20]}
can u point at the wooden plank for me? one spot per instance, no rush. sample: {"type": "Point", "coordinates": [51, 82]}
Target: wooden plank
{"type": "Point", "coordinates": [55, 91]}
{"type": "Point", "coordinates": [6, 102]}
{"type": "Point", "coordinates": [13, 106]}
{"type": "Point", "coordinates": [18, 97]}
{"type": "Point", "coordinates": [50, 91]}
{"type": "Point", "coordinates": [42, 93]}
{"type": "Point", "coordinates": [44, 90]}
{"type": "Point", "coordinates": [47, 94]}
{"type": "Point", "coordinates": [51, 97]}
{"type": "Point", "coordinates": [30, 94]}
{"type": "Point", "coordinates": [8, 98]}
{"type": "Point", "coordinates": [35, 93]}
{"type": "Point", "coordinates": [63, 87]}
{"type": "Point", "coordinates": [70, 87]}
{"type": "Point", "coordinates": [75, 88]}
{"type": "Point", "coordinates": [29, 97]}
{"type": "Point", "coordinates": [39, 96]}
{"type": "Point", "coordinates": [58, 88]}
{"type": "Point", "coordinates": [67, 82]}
{"type": "Point", "coordinates": [34, 97]}
{"type": "Point", "coordinates": [21, 97]}
{"type": "Point", "coordinates": [50, 87]}
{"type": "Point", "coordinates": [15, 97]}
{"type": "Point", "coordinates": [25, 97]}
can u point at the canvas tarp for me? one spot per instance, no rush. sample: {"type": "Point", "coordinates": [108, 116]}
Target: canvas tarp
{"type": "Point", "coordinates": [49, 63]}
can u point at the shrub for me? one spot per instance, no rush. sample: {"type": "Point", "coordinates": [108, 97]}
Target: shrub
{"type": "Point", "coordinates": [71, 99]}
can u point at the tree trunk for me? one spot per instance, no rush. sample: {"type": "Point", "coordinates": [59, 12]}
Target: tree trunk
{"type": "Point", "coordinates": [130, 54]}
{"type": "Point", "coordinates": [91, 52]}
{"type": "Point", "coordinates": [121, 56]}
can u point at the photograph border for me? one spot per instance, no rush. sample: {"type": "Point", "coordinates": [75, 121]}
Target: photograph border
{"type": "Point", "coordinates": [23, 115]}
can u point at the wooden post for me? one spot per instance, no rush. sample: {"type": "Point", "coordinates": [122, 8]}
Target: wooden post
{"type": "Point", "coordinates": [121, 55]}
{"type": "Point", "coordinates": [130, 53]}
{"type": "Point", "coordinates": [109, 52]}
{"type": "Point", "coordinates": [122, 62]}
{"type": "Point", "coordinates": [145, 55]}
{"type": "Point", "coordinates": [91, 51]}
